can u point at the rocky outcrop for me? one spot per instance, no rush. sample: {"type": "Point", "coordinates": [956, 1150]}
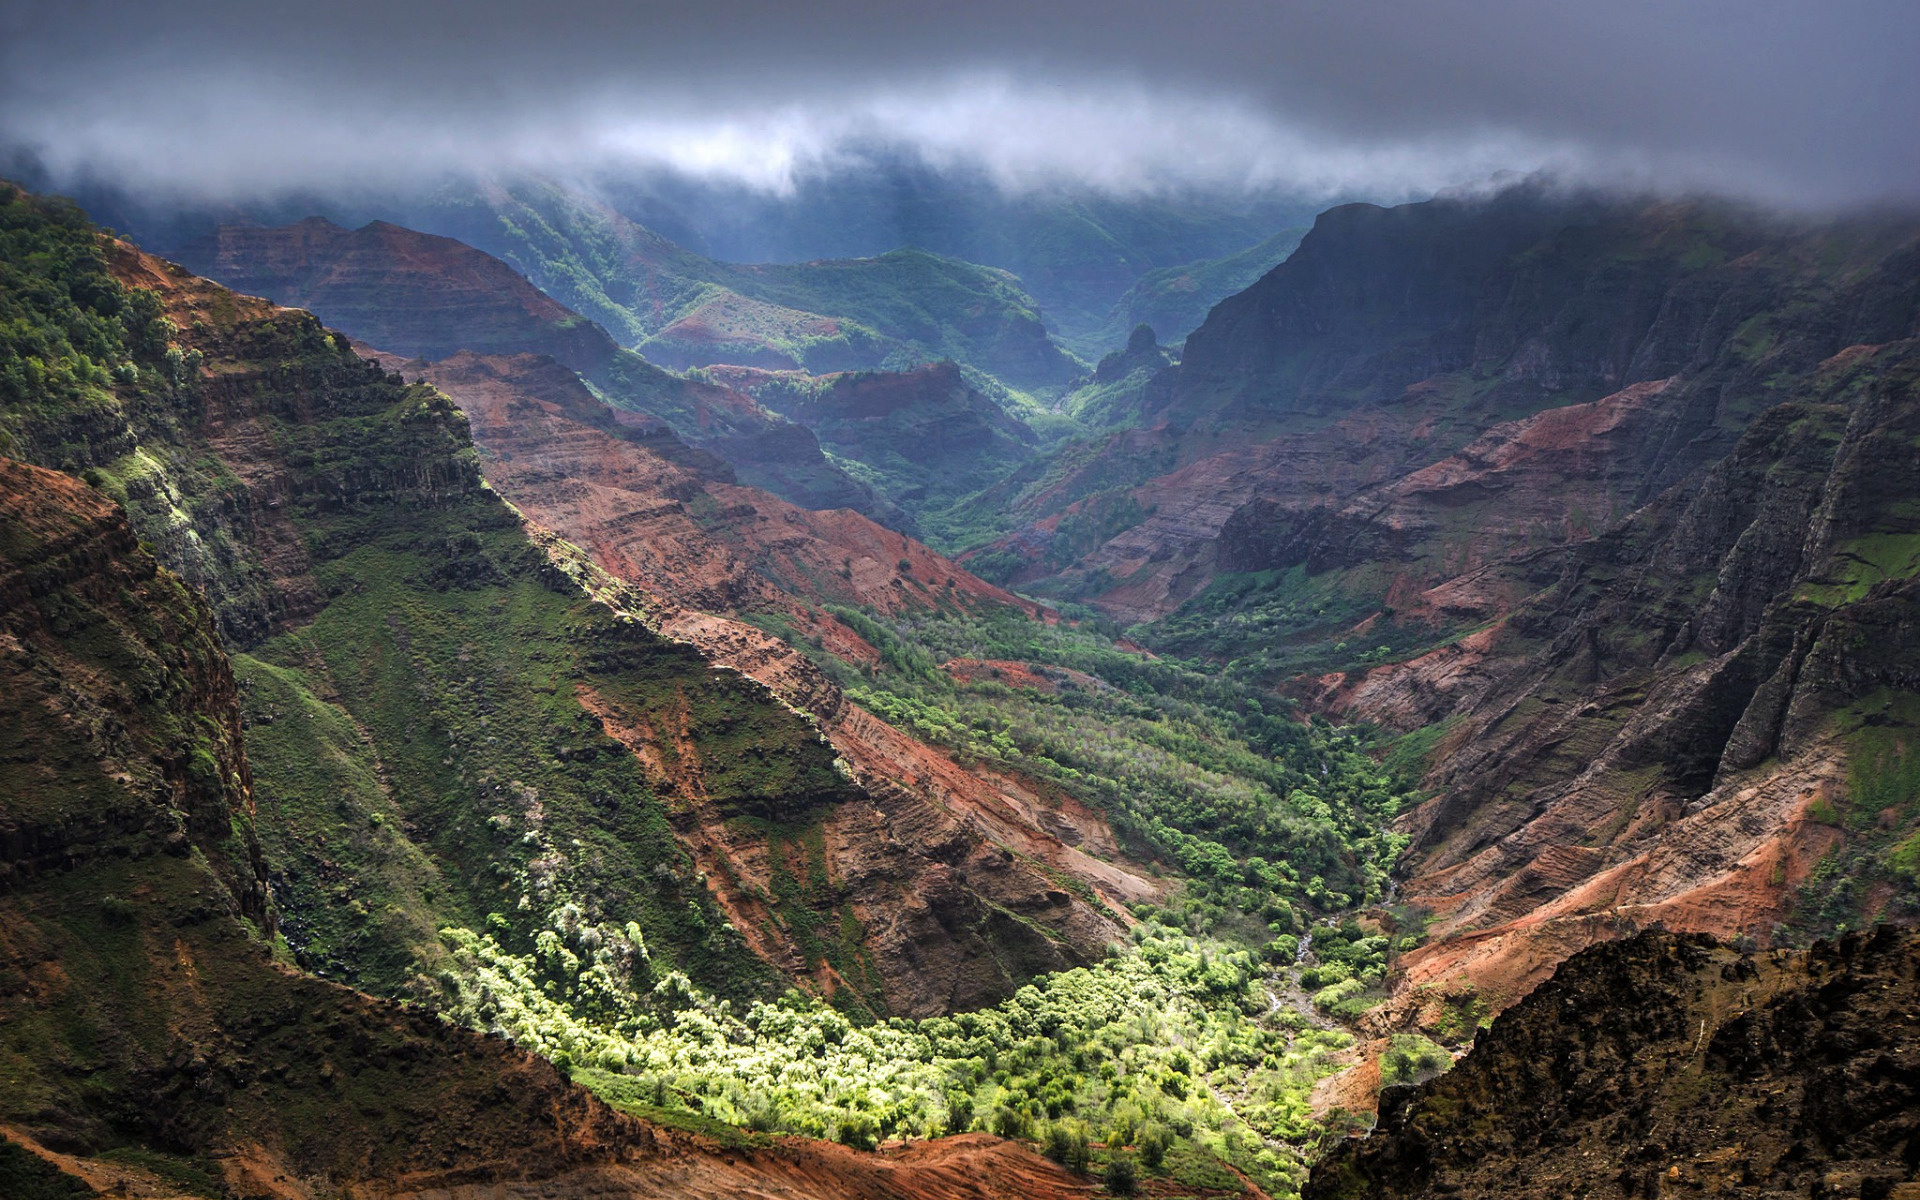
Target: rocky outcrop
{"type": "Point", "coordinates": [1666, 1066]}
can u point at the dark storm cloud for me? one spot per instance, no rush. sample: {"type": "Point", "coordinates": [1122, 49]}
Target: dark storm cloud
{"type": "Point", "coordinates": [1790, 100]}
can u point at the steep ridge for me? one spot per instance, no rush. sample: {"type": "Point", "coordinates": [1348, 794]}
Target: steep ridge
{"type": "Point", "coordinates": [148, 1021]}
{"type": "Point", "coordinates": [1668, 1066]}
{"type": "Point", "coordinates": [1175, 300]}
{"type": "Point", "coordinates": [415, 293]}
{"type": "Point", "coordinates": [670, 518]}
{"type": "Point", "coordinates": [935, 869]}
{"type": "Point", "coordinates": [423, 296]}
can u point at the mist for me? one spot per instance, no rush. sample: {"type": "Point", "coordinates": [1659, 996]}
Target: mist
{"type": "Point", "coordinates": [1782, 101]}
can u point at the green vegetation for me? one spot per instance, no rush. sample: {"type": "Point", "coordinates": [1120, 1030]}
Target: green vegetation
{"type": "Point", "coordinates": [1172, 1041]}
{"type": "Point", "coordinates": [1111, 403]}
{"type": "Point", "coordinates": [1272, 625]}
{"type": "Point", "coordinates": [69, 333]}
{"type": "Point", "coordinates": [1873, 871]}
{"type": "Point", "coordinates": [1263, 811]}
{"type": "Point", "coordinates": [1412, 1058]}
{"type": "Point", "coordinates": [1864, 561]}
{"type": "Point", "coordinates": [1180, 1040]}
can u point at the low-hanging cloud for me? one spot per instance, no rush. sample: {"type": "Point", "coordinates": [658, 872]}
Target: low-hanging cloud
{"type": "Point", "coordinates": [1780, 100]}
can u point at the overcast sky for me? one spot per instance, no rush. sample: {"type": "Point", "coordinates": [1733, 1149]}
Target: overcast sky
{"type": "Point", "coordinates": [1811, 102]}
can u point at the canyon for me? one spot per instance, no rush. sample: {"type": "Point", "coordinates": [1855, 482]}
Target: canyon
{"type": "Point", "coordinates": [438, 636]}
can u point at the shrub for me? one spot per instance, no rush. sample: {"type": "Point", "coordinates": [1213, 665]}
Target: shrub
{"type": "Point", "coordinates": [1058, 1144]}
{"type": "Point", "coordinates": [1153, 1146]}
{"type": "Point", "coordinates": [857, 1130]}
{"type": "Point", "coordinates": [1007, 1122]}
{"type": "Point", "coordinates": [1411, 1058]}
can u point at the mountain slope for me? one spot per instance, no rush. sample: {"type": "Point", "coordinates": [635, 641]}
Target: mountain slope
{"type": "Point", "coordinates": [155, 1046]}
{"type": "Point", "coordinates": [414, 293]}
{"type": "Point", "coordinates": [1706, 719]}
{"type": "Point", "coordinates": [453, 716]}
{"type": "Point", "coordinates": [423, 296]}
{"type": "Point", "coordinates": [924, 439]}
{"type": "Point", "coordinates": [1393, 338]}
{"type": "Point", "coordinates": [137, 985]}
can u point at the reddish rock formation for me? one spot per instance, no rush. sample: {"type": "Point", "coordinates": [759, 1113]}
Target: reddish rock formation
{"type": "Point", "coordinates": [409, 292]}
{"type": "Point", "coordinates": [1669, 733]}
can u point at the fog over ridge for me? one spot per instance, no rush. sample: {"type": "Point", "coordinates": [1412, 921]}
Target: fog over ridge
{"type": "Point", "coordinates": [1785, 101]}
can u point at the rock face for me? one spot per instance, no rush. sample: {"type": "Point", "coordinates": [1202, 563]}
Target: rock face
{"type": "Point", "coordinates": [1709, 703]}
{"type": "Point", "coordinates": [122, 734]}
{"type": "Point", "coordinates": [1665, 1066]}
{"type": "Point", "coordinates": [1394, 338]}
